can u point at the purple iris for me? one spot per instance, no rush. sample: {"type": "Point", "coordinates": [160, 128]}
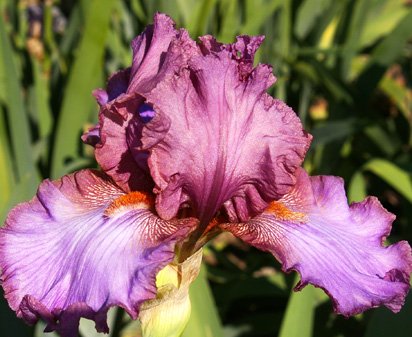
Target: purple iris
{"type": "Point", "coordinates": [190, 144]}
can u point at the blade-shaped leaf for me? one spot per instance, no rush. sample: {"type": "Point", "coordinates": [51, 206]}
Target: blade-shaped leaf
{"type": "Point", "coordinates": [85, 76]}
{"type": "Point", "coordinates": [356, 25]}
{"type": "Point", "coordinates": [357, 187]}
{"type": "Point", "coordinates": [7, 179]}
{"type": "Point", "coordinates": [299, 315]}
{"type": "Point", "coordinates": [399, 179]}
{"type": "Point", "coordinates": [388, 13]}
{"type": "Point", "coordinates": [204, 320]}
{"type": "Point", "coordinates": [385, 323]}
{"type": "Point", "coordinates": [308, 14]}
{"type": "Point", "coordinates": [383, 55]}
{"type": "Point", "coordinates": [16, 113]}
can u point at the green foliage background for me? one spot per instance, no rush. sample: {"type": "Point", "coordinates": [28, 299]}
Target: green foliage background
{"type": "Point", "coordinates": [344, 66]}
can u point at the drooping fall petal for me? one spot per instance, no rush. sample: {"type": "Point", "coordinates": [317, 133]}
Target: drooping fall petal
{"type": "Point", "coordinates": [334, 246]}
{"type": "Point", "coordinates": [80, 247]}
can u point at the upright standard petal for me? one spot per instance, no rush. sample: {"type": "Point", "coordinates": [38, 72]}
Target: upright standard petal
{"type": "Point", "coordinates": [224, 139]}
{"type": "Point", "coordinates": [150, 51]}
{"type": "Point", "coordinates": [338, 248]}
{"type": "Point", "coordinates": [158, 52]}
{"type": "Point", "coordinates": [81, 246]}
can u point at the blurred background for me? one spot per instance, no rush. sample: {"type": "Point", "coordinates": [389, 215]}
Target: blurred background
{"type": "Point", "coordinates": [344, 66]}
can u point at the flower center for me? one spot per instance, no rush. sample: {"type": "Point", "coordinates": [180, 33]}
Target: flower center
{"type": "Point", "coordinates": [132, 200]}
{"type": "Point", "coordinates": [281, 212]}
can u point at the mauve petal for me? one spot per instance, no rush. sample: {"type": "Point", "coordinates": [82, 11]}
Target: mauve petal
{"type": "Point", "coordinates": [158, 52]}
{"type": "Point", "coordinates": [113, 153]}
{"type": "Point", "coordinates": [76, 250]}
{"type": "Point", "coordinates": [149, 50]}
{"type": "Point", "coordinates": [116, 86]}
{"type": "Point", "coordinates": [217, 137]}
{"type": "Point", "coordinates": [338, 248]}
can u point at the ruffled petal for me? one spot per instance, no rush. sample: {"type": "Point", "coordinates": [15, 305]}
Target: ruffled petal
{"type": "Point", "coordinates": [149, 50]}
{"type": "Point", "coordinates": [157, 53]}
{"type": "Point", "coordinates": [113, 152]}
{"type": "Point", "coordinates": [334, 246]}
{"type": "Point", "coordinates": [81, 246]}
{"type": "Point", "coordinates": [224, 139]}
{"type": "Point", "coordinates": [116, 86]}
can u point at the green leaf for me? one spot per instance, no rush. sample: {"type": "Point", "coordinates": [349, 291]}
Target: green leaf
{"type": "Point", "coordinates": [40, 101]}
{"type": "Point", "coordinates": [196, 14]}
{"type": "Point", "coordinates": [399, 179]}
{"type": "Point", "coordinates": [17, 117]}
{"type": "Point", "coordinates": [307, 15]}
{"type": "Point", "coordinates": [84, 77]}
{"type": "Point", "coordinates": [39, 331]}
{"type": "Point", "coordinates": [204, 320]}
{"type": "Point", "coordinates": [386, 142]}
{"type": "Point", "coordinates": [257, 12]}
{"type": "Point", "coordinates": [285, 39]}
{"type": "Point", "coordinates": [138, 9]}
{"type": "Point", "coordinates": [72, 31]}
{"type": "Point", "coordinates": [388, 13]}
{"type": "Point", "coordinates": [230, 20]}
{"type": "Point", "coordinates": [399, 94]}
{"type": "Point", "coordinates": [299, 315]}
{"type": "Point", "coordinates": [357, 187]}
{"type": "Point", "coordinates": [87, 327]}
{"type": "Point", "coordinates": [385, 323]}
{"type": "Point", "coordinates": [333, 130]}
{"type": "Point", "coordinates": [392, 46]}
{"type": "Point", "coordinates": [355, 28]}
{"type": "Point", "coordinates": [6, 173]}
{"type": "Point", "coordinates": [386, 52]}
{"type": "Point", "coordinates": [332, 83]}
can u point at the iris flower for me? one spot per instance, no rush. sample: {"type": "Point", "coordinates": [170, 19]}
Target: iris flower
{"type": "Point", "coordinates": [190, 144]}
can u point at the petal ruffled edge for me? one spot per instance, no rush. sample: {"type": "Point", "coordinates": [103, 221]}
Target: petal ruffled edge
{"type": "Point", "coordinates": [80, 247]}
{"type": "Point", "coordinates": [157, 53]}
{"type": "Point", "coordinates": [336, 247]}
{"type": "Point", "coordinates": [224, 139]}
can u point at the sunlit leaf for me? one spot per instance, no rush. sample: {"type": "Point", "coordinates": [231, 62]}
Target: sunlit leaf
{"type": "Point", "coordinates": [399, 94]}
{"type": "Point", "coordinates": [307, 15]}
{"type": "Point", "coordinates": [389, 49]}
{"type": "Point", "coordinates": [383, 54]}
{"type": "Point", "coordinates": [357, 188]}
{"type": "Point", "coordinates": [388, 13]}
{"type": "Point", "coordinates": [40, 100]}
{"type": "Point", "coordinates": [356, 25]}
{"type": "Point", "coordinates": [84, 77]}
{"type": "Point", "coordinates": [399, 179]}
{"type": "Point", "coordinates": [204, 320]}
{"type": "Point", "coordinates": [17, 116]}
{"type": "Point", "coordinates": [230, 19]}
{"type": "Point", "coordinates": [299, 315]}
{"type": "Point", "coordinates": [257, 12]}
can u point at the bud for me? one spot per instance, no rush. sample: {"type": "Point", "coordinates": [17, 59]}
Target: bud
{"type": "Point", "coordinates": [168, 314]}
